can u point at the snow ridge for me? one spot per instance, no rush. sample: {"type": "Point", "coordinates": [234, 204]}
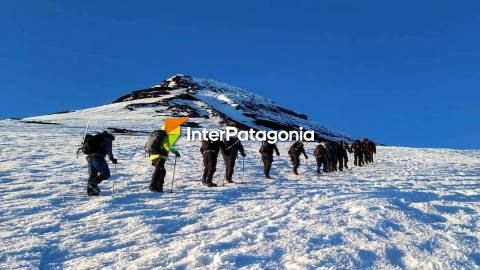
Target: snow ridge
{"type": "Point", "coordinates": [200, 99]}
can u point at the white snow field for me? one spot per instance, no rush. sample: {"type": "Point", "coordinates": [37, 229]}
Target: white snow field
{"type": "Point", "coordinates": [411, 209]}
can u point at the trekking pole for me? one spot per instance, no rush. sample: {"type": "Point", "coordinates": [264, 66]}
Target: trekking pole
{"type": "Point", "coordinates": [223, 170]}
{"type": "Point", "coordinates": [243, 167]}
{"type": "Point", "coordinates": [201, 173]}
{"type": "Point", "coordinates": [307, 165]}
{"type": "Point", "coordinates": [113, 185]}
{"type": "Point", "coordinates": [173, 177]}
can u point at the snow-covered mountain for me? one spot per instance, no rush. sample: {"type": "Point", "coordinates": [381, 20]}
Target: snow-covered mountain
{"type": "Point", "coordinates": [206, 102]}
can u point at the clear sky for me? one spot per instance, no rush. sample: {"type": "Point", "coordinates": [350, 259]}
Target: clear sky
{"type": "Point", "coordinates": [401, 72]}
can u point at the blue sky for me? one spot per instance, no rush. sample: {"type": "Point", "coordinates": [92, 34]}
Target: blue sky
{"type": "Point", "coordinates": [401, 72]}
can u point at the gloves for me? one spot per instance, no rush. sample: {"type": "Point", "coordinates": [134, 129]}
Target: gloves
{"type": "Point", "coordinates": [114, 160]}
{"type": "Point", "coordinates": [243, 155]}
{"type": "Point", "coordinates": [177, 155]}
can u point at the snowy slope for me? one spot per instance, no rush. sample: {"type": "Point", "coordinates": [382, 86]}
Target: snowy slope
{"type": "Point", "coordinates": [207, 102]}
{"type": "Point", "coordinates": [412, 209]}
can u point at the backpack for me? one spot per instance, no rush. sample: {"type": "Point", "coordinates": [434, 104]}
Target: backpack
{"type": "Point", "coordinates": [92, 144]}
{"type": "Point", "coordinates": [266, 148]}
{"type": "Point", "coordinates": [296, 148]}
{"type": "Point", "coordinates": [320, 151]}
{"type": "Point", "coordinates": [227, 148]}
{"type": "Point", "coordinates": [211, 146]}
{"type": "Point", "coordinates": [357, 146]}
{"type": "Point", "coordinates": [365, 146]}
{"type": "Point", "coordinates": [231, 147]}
{"type": "Point", "coordinates": [154, 143]}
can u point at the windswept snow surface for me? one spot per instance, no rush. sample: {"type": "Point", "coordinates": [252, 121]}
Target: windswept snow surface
{"type": "Point", "coordinates": [412, 209]}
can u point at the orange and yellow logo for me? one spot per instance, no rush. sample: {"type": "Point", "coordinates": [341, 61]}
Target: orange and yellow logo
{"type": "Point", "coordinates": [172, 127]}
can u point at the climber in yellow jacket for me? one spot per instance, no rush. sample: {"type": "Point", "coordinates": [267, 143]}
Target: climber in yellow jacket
{"type": "Point", "coordinates": [158, 147]}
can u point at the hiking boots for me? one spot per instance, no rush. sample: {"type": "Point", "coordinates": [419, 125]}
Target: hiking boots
{"type": "Point", "coordinates": [156, 189]}
{"type": "Point", "coordinates": [92, 189]}
{"type": "Point", "coordinates": [208, 184]}
{"type": "Point", "coordinates": [98, 179]}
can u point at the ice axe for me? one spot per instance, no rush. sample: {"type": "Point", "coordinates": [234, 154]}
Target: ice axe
{"type": "Point", "coordinates": [83, 140]}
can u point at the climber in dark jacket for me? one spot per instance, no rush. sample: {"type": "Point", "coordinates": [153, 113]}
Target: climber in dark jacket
{"type": "Point", "coordinates": [230, 150]}
{"type": "Point", "coordinates": [357, 153]}
{"type": "Point", "coordinates": [267, 156]}
{"type": "Point", "coordinates": [320, 154]}
{"type": "Point", "coordinates": [100, 146]}
{"type": "Point", "coordinates": [343, 150]}
{"type": "Point", "coordinates": [332, 155]}
{"type": "Point", "coordinates": [295, 151]}
{"type": "Point", "coordinates": [372, 147]}
{"type": "Point", "coordinates": [210, 150]}
{"type": "Point", "coordinates": [366, 150]}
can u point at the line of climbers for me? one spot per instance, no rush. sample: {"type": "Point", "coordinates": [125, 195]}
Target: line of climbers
{"type": "Point", "coordinates": [330, 157]}
{"type": "Point", "coordinates": [333, 156]}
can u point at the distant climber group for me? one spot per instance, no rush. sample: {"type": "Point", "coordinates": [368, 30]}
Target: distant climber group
{"type": "Point", "coordinates": [330, 156]}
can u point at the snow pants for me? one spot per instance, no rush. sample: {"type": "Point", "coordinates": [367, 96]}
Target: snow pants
{"type": "Point", "coordinates": [358, 158]}
{"type": "Point", "coordinates": [267, 163]}
{"type": "Point", "coordinates": [229, 166]}
{"type": "Point", "coordinates": [295, 159]}
{"type": "Point", "coordinates": [209, 166]}
{"type": "Point", "coordinates": [97, 169]}
{"type": "Point", "coordinates": [322, 163]}
{"type": "Point", "coordinates": [158, 177]}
